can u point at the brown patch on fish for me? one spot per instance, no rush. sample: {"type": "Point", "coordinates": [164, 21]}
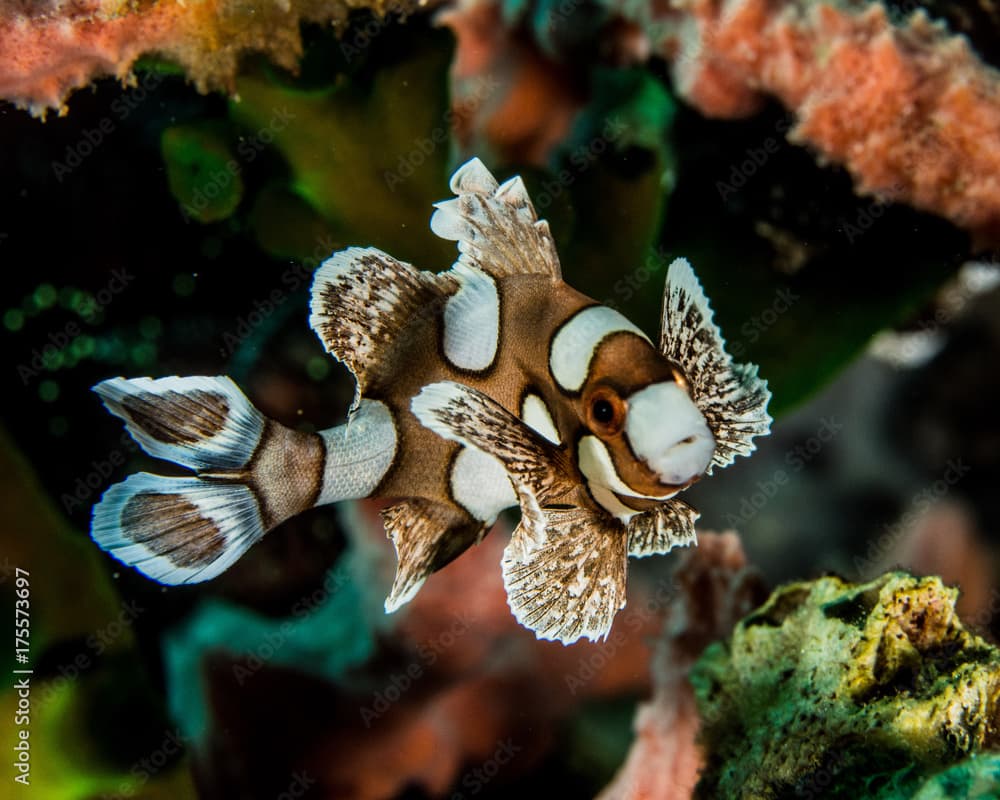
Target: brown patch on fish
{"type": "Point", "coordinates": [285, 472]}
{"type": "Point", "coordinates": [174, 528]}
{"type": "Point", "coordinates": [176, 418]}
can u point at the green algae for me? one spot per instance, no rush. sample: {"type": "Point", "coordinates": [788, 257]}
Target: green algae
{"type": "Point", "coordinates": [833, 689]}
{"type": "Point", "coordinates": [202, 170]}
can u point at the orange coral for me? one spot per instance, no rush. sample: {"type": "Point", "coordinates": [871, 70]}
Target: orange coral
{"type": "Point", "coordinates": [716, 590]}
{"type": "Point", "coordinates": [48, 49]}
{"type": "Point", "coordinates": [909, 110]}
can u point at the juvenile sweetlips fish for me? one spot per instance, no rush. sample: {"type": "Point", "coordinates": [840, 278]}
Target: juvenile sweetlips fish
{"type": "Point", "coordinates": [491, 385]}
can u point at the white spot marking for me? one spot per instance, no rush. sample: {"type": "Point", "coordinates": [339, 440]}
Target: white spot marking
{"type": "Point", "coordinates": [358, 453]}
{"type": "Point", "coordinates": [536, 414]}
{"type": "Point", "coordinates": [609, 501]}
{"type": "Point", "coordinates": [479, 483]}
{"type": "Point", "coordinates": [596, 464]}
{"type": "Point", "coordinates": [574, 346]}
{"type": "Point", "coordinates": [472, 320]}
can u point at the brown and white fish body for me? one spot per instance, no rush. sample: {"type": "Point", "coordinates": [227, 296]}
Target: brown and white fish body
{"type": "Point", "coordinates": [487, 386]}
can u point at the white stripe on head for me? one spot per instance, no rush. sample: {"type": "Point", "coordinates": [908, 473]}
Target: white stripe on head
{"type": "Point", "coordinates": [596, 464]}
{"type": "Point", "coordinates": [576, 342]}
{"type": "Point", "coordinates": [472, 320]}
{"type": "Point", "coordinates": [536, 414]}
{"type": "Point", "coordinates": [609, 501]}
{"type": "Point", "coordinates": [479, 484]}
{"type": "Point", "coordinates": [358, 453]}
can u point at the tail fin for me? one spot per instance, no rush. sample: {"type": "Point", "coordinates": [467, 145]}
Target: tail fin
{"type": "Point", "coordinates": [252, 474]}
{"type": "Point", "coordinates": [202, 423]}
{"type": "Point", "coordinates": [177, 530]}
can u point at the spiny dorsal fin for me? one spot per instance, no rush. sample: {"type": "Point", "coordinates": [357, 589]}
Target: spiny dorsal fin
{"type": "Point", "coordinates": [495, 225]}
{"type": "Point", "coordinates": [427, 536]}
{"type": "Point", "coordinates": [661, 529]}
{"type": "Point", "coordinates": [361, 300]}
{"type": "Point", "coordinates": [731, 396]}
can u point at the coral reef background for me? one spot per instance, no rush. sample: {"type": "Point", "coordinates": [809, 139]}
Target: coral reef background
{"type": "Point", "coordinates": [829, 169]}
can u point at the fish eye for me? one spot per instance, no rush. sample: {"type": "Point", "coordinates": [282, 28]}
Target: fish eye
{"type": "Point", "coordinates": [605, 411]}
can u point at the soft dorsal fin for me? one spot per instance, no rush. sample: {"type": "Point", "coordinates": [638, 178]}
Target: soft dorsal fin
{"type": "Point", "coordinates": [495, 225]}
{"type": "Point", "coordinates": [361, 300]}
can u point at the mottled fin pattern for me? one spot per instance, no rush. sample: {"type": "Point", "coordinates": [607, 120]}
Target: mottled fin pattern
{"type": "Point", "coordinates": [564, 568]}
{"type": "Point", "coordinates": [731, 396]}
{"type": "Point", "coordinates": [661, 529]}
{"type": "Point", "coordinates": [177, 530]}
{"type": "Point", "coordinates": [465, 415]}
{"type": "Point", "coordinates": [571, 583]}
{"type": "Point", "coordinates": [199, 422]}
{"type": "Point", "coordinates": [495, 225]}
{"type": "Point", "coordinates": [427, 536]}
{"type": "Point", "coordinates": [362, 299]}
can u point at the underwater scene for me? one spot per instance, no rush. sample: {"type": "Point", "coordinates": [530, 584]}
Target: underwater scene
{"type": "Point", "coordinates": [418, 399]}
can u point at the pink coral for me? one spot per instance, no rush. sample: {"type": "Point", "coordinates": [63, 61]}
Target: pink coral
{"type": "Point", "coordinates": [909, 110]}
{"type": "Point", "coordinates": [48, 49]}
{"type": "Point", "coordinates": [717, 589]}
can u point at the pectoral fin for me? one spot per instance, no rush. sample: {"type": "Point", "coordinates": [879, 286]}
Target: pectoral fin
{"type": "Point", "coordinates": [567, 581]}
{"type": "Point", "coordinates": [731, 396]}
{"type": "Point", "coordinates": [564, 568]}
{"type": "Point", "coordinates": [661, 529]}
{"type": "Point", "coordinates": [536, 467]}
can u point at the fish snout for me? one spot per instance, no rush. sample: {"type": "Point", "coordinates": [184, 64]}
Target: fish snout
{"type": "Point", "coordinates": [669, 433]}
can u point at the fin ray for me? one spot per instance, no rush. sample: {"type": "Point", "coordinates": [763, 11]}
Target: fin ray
{"type": "Point", "coordinates": [569, 582]}
{"type": "Point", "coordinates": [177, 530]}
{"type": "Point", "coordinates": [198, 422]}
{"type": "Point", "coordinates": [427, 536]}
{"type": "Point", "coordinates": [661, 529]}
{"type": "Point", "coordinates": [495, 225]}
{"type": "Point", "coordinates": [362, 299]}
{"type": "Point", "coordinates": [731, 396]}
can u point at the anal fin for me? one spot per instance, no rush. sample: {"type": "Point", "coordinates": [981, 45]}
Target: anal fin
{"type": "Point", "coordinates": [427, 535]}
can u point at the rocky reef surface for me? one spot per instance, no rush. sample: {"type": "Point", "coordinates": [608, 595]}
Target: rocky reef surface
{"type": "Point", "coordinates": [835, 689]}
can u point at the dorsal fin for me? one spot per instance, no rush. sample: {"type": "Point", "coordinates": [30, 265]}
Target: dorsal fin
{"type": "Point", "coordinates": [361, 300]}
{"type": "Point", "coordinates": [495, 225]}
